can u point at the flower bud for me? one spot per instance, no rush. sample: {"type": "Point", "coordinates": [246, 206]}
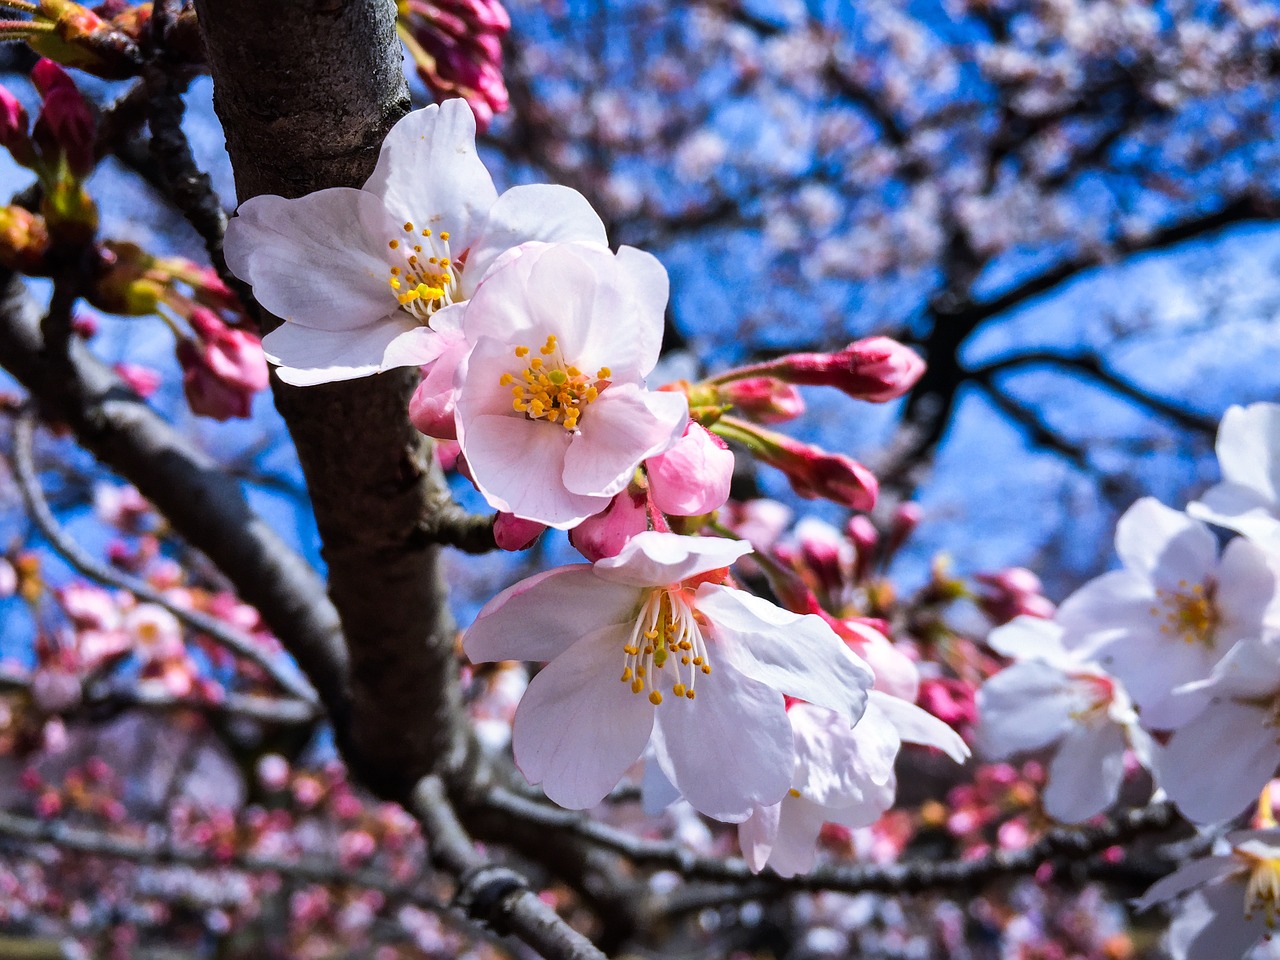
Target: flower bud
{"type": "Point", "coordinates": [65, 126]}
{"type": "Point", "coordinates": [812, 471]}
{"type": "Point", "coordinates": [141, 380]}
{"type": "Point", "coordinates": [762, 399]}
{"type": "Point", "coordinates": [875, 369]}
{"type": "Point", "coordinates": [457, 48]}
{"type": "Point", "coordinates": [14, 130]}
{"type": "Point", "coordinates": [1012, 592]}
{"type": "Point", "coordinates": [223, 369]}
{"type": "Point", "coordinates": [692, 477]}
{"type": "Point", "coordinates": [24, 241]}
{"type": "Point", "coordinates": [516, 533]}
{"type": "Point", "coordinates": [604, 534]}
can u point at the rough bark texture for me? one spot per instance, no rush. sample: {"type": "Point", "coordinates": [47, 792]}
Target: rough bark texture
{"type": "Point", "coordinates": [306, 92]}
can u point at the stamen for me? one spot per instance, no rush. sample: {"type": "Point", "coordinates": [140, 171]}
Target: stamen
{"type": "Point", "coordinates": [1189, 613]}
{"type": "Point", "coordinates": [665, 623]}
{"type": "Point", "coordinates": [554, 390]}
{"type": "Point", "coordinates": [431, 283]}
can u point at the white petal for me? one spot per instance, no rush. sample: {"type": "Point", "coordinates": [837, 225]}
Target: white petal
{"type": "Point", "coordinates": [915, 725]}
{"type": "Point", "coordinates": [654, 559]}
{"type": "Point", "coordinates": [729, 750]}
{"type": "Point", "coordinates": [795, 846]}
{"type": "Point", "coordinates": [547, 212]}
{"type": "Point", "coordinates": [1211, 926]}
{"type": "Point", "coordinates": [1246, 591]}
{"type": "Point", "coordinates": [429, 173]}
{"type": "Point", "coordinates": [838, 766]}
{"type": "Point", "coordinates": [307, 355]}
{"type": "Point", "coordinates": [1086, 772]}
{"type": "Point", "coordinates": [1187, 877]}
{"type": "Point", "coordinates": [656, 791]}
{"type": "Point", "coordinates": [1024, 707]}
{"type": "Point", "coordinates": [518, 465]}
{"type": "Point", "coordinates": [1240, 508]}
{"type": "Point", "coordinates": [1250, 670]}
{"type": "Point", "coordinates": [316, 260]}
{"type": "Point", "coordinates": [800, 656]}
{"type": "Point", "coordinates": [1216, 765]}
{"type": "Point", "coordinates": [1105, 605]}
{"type": "Point", "coordinates": [1249, 448]}
{"type": "Point", "coordinates": [648, 279]}
{"type": "Point", "coordinates": [621, 428]}
{"type": "Point", "coordinates": [540, 617]}
{"type": "Point", "coordinates": [578, 728]}
{"type": "Point", "coordinates": [1029, 638]}
{"type": "Point", "coordinates": [1165, 545]}
{"type": "Point", "coordinates": [756, 833]}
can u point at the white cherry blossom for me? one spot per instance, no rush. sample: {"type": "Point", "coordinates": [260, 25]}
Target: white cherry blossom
{"type": "Point", "coordinates": [842, 775]}
{"type": "Point", "coordinates": [1051, 697]}
{"type": "Point", "coordinates": [1248, 498]}
{"type": "Point", "coordinates": [362, 277]}
{"type": "Point", "coordinates": [1233, 901]}
{"type": "Point", "coordinates": [1173, 612]}
{"type": "Point", "coordinates": [651, 645]}
{"type": "Point", "coordinates": [552, 411]}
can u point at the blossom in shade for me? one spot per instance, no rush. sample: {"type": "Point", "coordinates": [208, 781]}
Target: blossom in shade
{"type": "Point", "coordinates": [360, 277]}
{"type": "Point", "coordinates": [604, 534]}
{"type": "Point", "coordinates": [652, 645]}
{"type": "Point", "coordinates": [1248, 498]}
{"type": "Point", "coordinates": [552, 410]}
{"type": "Point", "coordinates": [1053, 698]}
{"type": "Point", "coordinates": [1215, 764]}
{"type": "Point", "coordinates": [1173, 612]}
{"type": "Point", "coordinates": [842, 775]}
{"type": "Point", "coordinates": [1232, 902]}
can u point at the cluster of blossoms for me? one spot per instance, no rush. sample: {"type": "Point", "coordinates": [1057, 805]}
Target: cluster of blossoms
{"type": "Point", "coordinates": [1171, 663]}
{"type": "Point", "coordinates": [535, 340]}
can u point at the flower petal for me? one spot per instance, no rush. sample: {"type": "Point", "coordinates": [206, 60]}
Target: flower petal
{"type": "Point", "coordinates": [1187, 877]}
{"type": "Point", "coordinates": [1240, 508]}
{"type": "Point", "coordinates": [800, 656]}
{"type": "Point", "coordinates": [1165, 545]}
{"type": "Point", "coordinates": [1029, 638]}
{"type": "Point", "coordinates": [1086, 772]}
{"type": "Point", "coordinates": [1216, 765]}
{"type": "Point", "coordinates": [795, 847]}
{"type": "Point", "coordinates": [316, 260]}
{"type": "Point", "coordinates": [540, 617]}
{"type": "Point", "coordinates": [1248, 448]}
{"type": "Point", "coordinates": [307, 356]}
{"type": "Point", "coordinates": [1024, 707]}
{"type": "Point", "coordinates": [577, 728]}
{"type": "Point", "coordinates": [918, 726]}
{"type": "Point", "coordinates": [429, 173]}
{"type": "Point", "coordinates": [1211, 925]}
{"type": "Point", "coordinates": [655, 559]}
{"type": "Point", "coordinates": [518, 465]}
{"type": "Point", "coordinates": [836, 765]}
{"type": "Point", "coordinates": [729, 751]}
{"type": "Point", "coordinates": [651, 285]}
{"type": "Point", "coordinates": [756, 835]}
{"type": "Point", "coordinates": [541, 211]}
{"type": "Point", "coordinates": [621, 428]}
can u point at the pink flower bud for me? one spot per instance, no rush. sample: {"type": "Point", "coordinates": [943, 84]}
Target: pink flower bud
{"type": "Point", "coordinates": [1012, 592]}
{"type": "Point", "coordinates": [273, 771]}
{"type": "Point", "coordinates": [905, 520]}
{"type": "Point", "coordinates": [515, 533]}
{"type": "Point", "coordinates": [692, 477]}
{"type": "Point", "coordinates": [824, 554]}
{"type": "Point", "coordinates": [604, 534]}
{"type": "Point", "coordinates": [875, 369]}
{"type": "Point", "coordinates": [763, 399]}
{"type": "Point", "coordinates": [65, 125]}
{"type": "Point", "coordinates": [432, 404]}
{"type": "Point", "coordinates": [457, 48]}
{"type": "Point", "coordinates": [141, 380]}
{"type": "Point", "coordinates": [14, 130]}
{"type": "Point", "coordinates": [950, 700]}
{"type": "Point", "coordinates": [223, 369]}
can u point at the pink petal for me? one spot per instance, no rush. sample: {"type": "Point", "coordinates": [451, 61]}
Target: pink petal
{"type": "Point", "coordinates": [654, 559]}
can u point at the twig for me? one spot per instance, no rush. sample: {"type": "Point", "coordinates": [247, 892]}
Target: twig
{"type": "Point", "coordinates": [33, 497]}
{"type": "Point", "coordinates": [492, 894]}
{"type": "Point", "coordinates": [1072, 843]}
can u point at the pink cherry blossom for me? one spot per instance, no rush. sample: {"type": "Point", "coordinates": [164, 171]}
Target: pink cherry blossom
{"type": "Point", "coordinates": [222, 369]}
{"type": "Point", "coordinates": [552, 411]}
{"type": "Point", "coordinates": [692, 477]}
{"type": "Point", "coordinates": [604, 534]}
{"type": "Point", "coordinates": [647, 646]}
{"type": "Point", "coordinates": [360, 276]}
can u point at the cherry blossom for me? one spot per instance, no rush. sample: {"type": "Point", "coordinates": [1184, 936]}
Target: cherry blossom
{"type": "Point", "coordinates": [652, 645]}
{"type": "Point", "coordinates": [1053, 697]}
{"type": "Point", "coordinates": [552, 411]}
{"type": "Point", "coordinates": [1173, 612]}
{"type": "Point", "coordinates": [842, 775]}
{"type": "Point", "coordinates": [361, 276]}
{"type": "Point", "coordinates": [1234, 898]}
{"type": "Point", "coordinates": [1248, 498]}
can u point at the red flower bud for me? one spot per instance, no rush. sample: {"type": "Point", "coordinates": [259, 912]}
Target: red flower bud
{"type": "Point", "coordinates": [515, 533]}
{"type": "Point", "coordinates": [14, 133]}
{"type": "Point", "coordinates": [762, 399]}
{"type": "Point", "coordinates": [875, 369]}
{"type": "Point", "coordinates": [222, 370]}
{"type": "Point", "coordinates": [65, 125]}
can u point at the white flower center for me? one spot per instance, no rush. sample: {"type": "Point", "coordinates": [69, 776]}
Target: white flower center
{"type": "Point", "coordinates": [1263, 890]}
{"type": "Point", "coordinates": [426, 279]}
{"type": "Point", "coordinates": [549, 388]}
{"type": "Point", "coordinates": [666, 635]}
{"type": "Point", "coordinates": [1189, 613]}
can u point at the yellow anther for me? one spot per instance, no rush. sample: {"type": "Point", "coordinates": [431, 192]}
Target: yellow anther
{"type": "Point", "coordinates": [408, 227]}
{"type": "Point", "coordinates": [679, 689]}
{"type": "Point", "coordinates": [604, 373]}
{"type": "Point", "coordinates": [506, 380]}
{"type": "Point", "coordinates": [535, 363]}
{"type": "Point", "coordinates": [637, 686]}
{"type": "Point", "coordinates": [794, 792]}
{"type": "Point", "coordinates": [706, 668]}
{"type": "Point", "coordinates": [690, 695]}
{"type": "Point", "coordinates": [522, 351]}
{"type": "Point", "coordinates": [519, 406]}
{"type": "Point", "coordinates": [655, 698]}
{"type": "Point", "coordinates": [394, 244]}
{"type": "Point", "coordinates": [626, 675]}
{"type": "Point", "coordinates": [426, 232]}
{"type": "Point", "coordinates": [395, 284]}
{"type": "Point", "coordinates": [444, 235]}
